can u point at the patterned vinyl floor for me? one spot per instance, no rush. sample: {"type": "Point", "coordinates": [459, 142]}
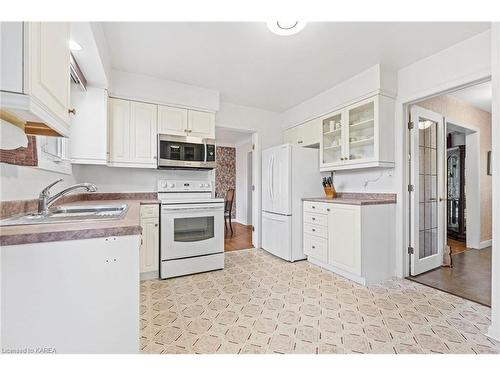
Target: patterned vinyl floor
{"type": "Point", "coordinates": [262, 304]}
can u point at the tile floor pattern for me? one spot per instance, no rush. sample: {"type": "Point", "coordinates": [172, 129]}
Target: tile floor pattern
{"type": "Point", "coordinates": [262, 304]}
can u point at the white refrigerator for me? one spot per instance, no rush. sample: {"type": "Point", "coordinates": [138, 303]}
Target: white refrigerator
{"type": "Point", "coordinates": [289, 173]}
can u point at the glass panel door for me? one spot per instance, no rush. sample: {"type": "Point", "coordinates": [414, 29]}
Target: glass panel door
{"type": "Point", "coordinates": [332, 139]}
{"type": "Point", "coordinates": [427, 165]}
{"type": "Point", "coordinates": [361, 131]}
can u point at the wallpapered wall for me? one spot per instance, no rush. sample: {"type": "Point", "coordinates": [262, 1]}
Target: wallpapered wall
{"type": "Point", "coordinates": [26, 156]}
{"type": "Point", "coordinates": [225, 173]}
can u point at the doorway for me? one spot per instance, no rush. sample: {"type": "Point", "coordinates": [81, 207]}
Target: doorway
{"type": "Point", "coordinates": [235, 168]}
{"type": "Point", "coordinates": [450, 193]}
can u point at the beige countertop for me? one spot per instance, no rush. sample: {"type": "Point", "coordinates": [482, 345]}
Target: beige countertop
{"type": "Point", "coordinates": [358, 199]}
{"type": "Point", "coordinates": [128, 225]}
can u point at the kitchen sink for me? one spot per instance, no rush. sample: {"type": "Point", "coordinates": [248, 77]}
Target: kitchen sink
{"type": "Point", "coordinates": [65, 214]}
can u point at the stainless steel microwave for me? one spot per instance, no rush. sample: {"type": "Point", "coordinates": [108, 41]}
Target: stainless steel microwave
{"type": "Point", "coordinates": [185, 152]}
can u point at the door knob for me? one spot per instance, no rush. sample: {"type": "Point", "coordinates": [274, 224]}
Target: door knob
{"type": "Point", "coordinates": [72, 111]}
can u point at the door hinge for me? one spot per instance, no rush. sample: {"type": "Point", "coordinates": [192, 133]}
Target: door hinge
{"type": "Point", "coordinates": [253, 228]}
{"type": "Point", "coordinates": [411, 188]}
{"type": "Point", "coordinates": [410, 250]}
{"type": "Point", "coordinates": [410, 125]}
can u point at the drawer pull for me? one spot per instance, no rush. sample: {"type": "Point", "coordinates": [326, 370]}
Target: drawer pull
{"type": "Point", "coordinates": [314, 230]}
{"type": "Point", "coordinates": [328, 209]}
{"type": "Point", "coordinates": [313, 206]}
{"type": "Point", "coordinates": [313, 218]}
{"type": "Point", "coordinates": [314, 247]}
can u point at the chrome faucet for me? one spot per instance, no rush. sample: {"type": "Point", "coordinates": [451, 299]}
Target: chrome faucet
{"type": "Point", "coordinates": [45, 200]}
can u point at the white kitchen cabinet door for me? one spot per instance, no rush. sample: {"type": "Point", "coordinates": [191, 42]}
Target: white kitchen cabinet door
{"type": "Point", "coordinates": [48, 74]}
{"type": "Point", "coordinates": [201, 124]}
{"type": "Point", "coordinates": [344, 238]}
{"type": "Point", "coordinates": [149, 253]}
{"type": "Point", "coordinates": [172, 121]}
{"type": "Point", "coordinates": [89, 125]}
{"type": "Point", "coordinates": [143, 126]}
{"type": "Point", "coordinates": [119, 130]}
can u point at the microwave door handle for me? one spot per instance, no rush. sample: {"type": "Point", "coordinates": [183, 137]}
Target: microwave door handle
{"type": "Point", "coordinates": [206, 149]}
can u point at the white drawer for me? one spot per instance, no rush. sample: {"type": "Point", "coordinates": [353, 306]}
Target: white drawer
{"type": "Point", "coordinates": [316, 247]}
{"type": "Point", "coordinates": [315, 218]}
{"type": "Point", "coordinates": [315, 230]}
{"type": "Point", "coordinates": [149, 210]}
{"type": "Point", "coordinates": [321, 208]}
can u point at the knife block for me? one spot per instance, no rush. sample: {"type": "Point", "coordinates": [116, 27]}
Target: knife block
{"type": "Point", "coordinates": [330, 192]}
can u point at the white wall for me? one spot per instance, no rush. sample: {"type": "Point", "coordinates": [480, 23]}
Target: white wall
{"type": "Point", "coordinates": [265, 123]}
{"type": "Point", "coordinates": [108, 179]}
{"type": "Point", "coordinates": [367, 83]}
{"type": "Point", "coordinates": [19, 182]}
{"type": "Point", "coordinates": [460, 64]}
{"type": "Point", "coordinates": [151, 89]}
{"type": "Point", "coordinates": [242, 150]}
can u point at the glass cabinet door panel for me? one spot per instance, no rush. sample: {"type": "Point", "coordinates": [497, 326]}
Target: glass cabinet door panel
{"type": "Point", "coordinates": [361, 142]}
{"type": "Point", "coordinates": [332, 139]}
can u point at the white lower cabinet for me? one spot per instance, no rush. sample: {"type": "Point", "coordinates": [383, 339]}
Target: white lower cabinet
{"type": "Point", "coordinates": [150, 249]}
{"type": "Point", "coordinates": [354, 241]}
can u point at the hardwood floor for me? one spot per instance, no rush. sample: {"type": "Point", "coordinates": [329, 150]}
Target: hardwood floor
{"type": "Point", "coordinates": [456, 246]}
{"type": "Point", "coordinates": [469, 278]}
{"type": "Point", "coordinates": [241, 238]}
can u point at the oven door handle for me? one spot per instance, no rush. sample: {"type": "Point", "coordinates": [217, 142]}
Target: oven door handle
{"type": "Point", "coordinates": [192, 208]}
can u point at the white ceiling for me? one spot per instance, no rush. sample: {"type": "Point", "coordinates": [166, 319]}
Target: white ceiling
{"type": "Point", "coordinates": [230, 137]}
{"type": "Point", "coordinates": [251, 66]}
{"type": "Point", "coordinates": [479, 96]}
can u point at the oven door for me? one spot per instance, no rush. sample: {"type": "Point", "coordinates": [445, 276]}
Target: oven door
{"type": "Point", "coordinates": [189, 230]}
{"type": "Point", "coordinates": [185, 152]}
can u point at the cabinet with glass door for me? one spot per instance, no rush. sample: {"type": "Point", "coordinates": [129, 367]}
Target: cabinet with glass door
{"type": "Point", "coordinates": [359, 136]}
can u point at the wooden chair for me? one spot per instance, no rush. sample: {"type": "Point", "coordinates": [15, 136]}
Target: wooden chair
{"type": "Point", "coordinates": [228, 208]}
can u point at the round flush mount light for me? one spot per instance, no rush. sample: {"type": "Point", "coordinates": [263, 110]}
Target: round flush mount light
{"type": "Point", "coordinates": [74, 46]}
{"type": "Point", "coordinates": [285, 28]}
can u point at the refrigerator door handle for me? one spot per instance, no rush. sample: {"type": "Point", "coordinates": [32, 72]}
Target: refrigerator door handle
{"type": "Point", "coordinates": [272, 178]}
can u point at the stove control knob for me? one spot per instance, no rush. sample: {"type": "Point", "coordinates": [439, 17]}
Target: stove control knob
{"type": "Point", "coordinates": [202, 185]}
{"type": "Point", "coordinates": [171, 185]}
{"type": "Point", "coordinates": [164, 184]}
{"type": "Point", "coordinates": [207, 185]}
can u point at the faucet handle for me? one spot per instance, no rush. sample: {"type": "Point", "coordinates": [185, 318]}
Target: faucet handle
{"type": "Point", "coordinates": [45, 191]}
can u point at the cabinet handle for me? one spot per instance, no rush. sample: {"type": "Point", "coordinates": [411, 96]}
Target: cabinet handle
{"type": "Point", "coordinates": [314, 230]}
{"type": "Point", "coordinates": [72, 111]}
{"type": "Point", "coordinates": [189, 131]}
{"type": "Point", "coordinates": [313, 247]}
{"type": "Point", "coordinates": [299, 142]}
{"type": "Point", "coordinates": [328, 209]}
{"type": "Point", "coordinates": [313, 218]}
{"type": "Point", "coordinates": [155, 157]}
{"type": "Point", "coordinates": [156, 225]}
{"type": "Point", "coordinates": [313, 206]}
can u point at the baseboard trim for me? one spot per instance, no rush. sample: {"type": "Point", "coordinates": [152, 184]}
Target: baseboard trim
{"type": "Point", "coordinates": [484, 244]}
{"type": "Point", "coordinates": [240, 222]}
{"type": "Point", "coordinates": [150, 275]}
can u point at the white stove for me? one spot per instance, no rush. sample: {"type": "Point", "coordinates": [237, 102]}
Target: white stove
{"type": "Point", "coordinates": [192, 228]}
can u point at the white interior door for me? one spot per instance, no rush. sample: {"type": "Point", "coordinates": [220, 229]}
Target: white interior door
{"type": "Point", "coordinates": [427, 200]}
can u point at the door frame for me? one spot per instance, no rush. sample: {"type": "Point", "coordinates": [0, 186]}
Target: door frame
{"type": "Point", "coordinates": [404, 105]}
{"type": "Point", "coordinates": [420, 265]}
{"type": "Point", "coordinates": [472, 181]}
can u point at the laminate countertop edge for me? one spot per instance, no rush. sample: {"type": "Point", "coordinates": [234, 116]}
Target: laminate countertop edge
{"type": "Point", "coordinates": [129, 225]}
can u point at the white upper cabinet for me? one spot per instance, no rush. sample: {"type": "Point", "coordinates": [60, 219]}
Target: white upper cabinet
{"type": "Point", "coordinates": [119, 133]}
{"type": "Point", "coordinates": [143, 127]}
{"type": "Point", "coordinates": [89, 125]}
{"type": "Point", "coordinates": [358, 136]}
{"type": "Point", "coordinates": [201, 124]}
{"type": "Point", "coordinates": [185, 122]}
{"type": "Point", "coordinates": [45, 80]}
{"type": "Point", "coordinates": [132, 134]}
{"type": "Point", "coordinates": [172, 121]}
{"type": "Point", "coordinates": [306, 135]}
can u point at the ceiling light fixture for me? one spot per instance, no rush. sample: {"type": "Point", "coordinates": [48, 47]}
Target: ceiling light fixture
{"type": "Point", "coordinates": [74, 46]}
{"type": "Point", "coordinates": [285, 28]}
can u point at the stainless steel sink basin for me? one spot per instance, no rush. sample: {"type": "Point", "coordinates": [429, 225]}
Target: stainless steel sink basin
{"type": "Point", "coordinates": [66, 214]}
